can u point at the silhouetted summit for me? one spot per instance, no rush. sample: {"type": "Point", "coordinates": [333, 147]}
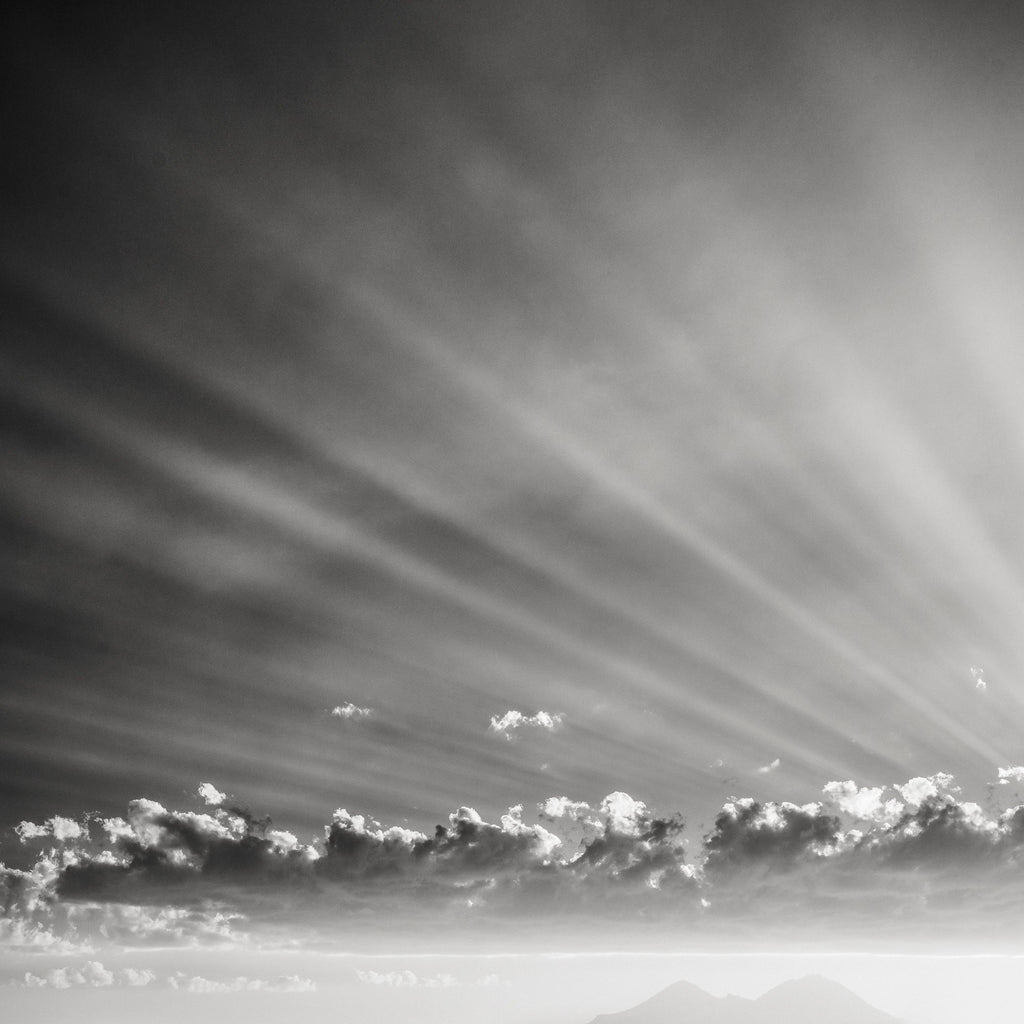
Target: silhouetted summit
{"type": "Point", "coordinates": [810, 1000]}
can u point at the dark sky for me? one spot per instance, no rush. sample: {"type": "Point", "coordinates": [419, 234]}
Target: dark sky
{"type": "Point", "coordinates": [655, 367]}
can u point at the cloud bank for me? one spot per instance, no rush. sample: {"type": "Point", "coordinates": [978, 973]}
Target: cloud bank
{"type": "Point", "coordinates": [913, 854]}
{"type": "Point", "coordinates": [92, 974]}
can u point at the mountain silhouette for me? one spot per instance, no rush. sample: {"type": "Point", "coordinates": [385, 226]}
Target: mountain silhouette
{"type": "Point", "coordinates": [810, 1000]}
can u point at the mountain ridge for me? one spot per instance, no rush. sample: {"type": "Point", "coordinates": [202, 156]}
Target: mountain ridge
{"type": "Point", "coordinates": [807, 1000]}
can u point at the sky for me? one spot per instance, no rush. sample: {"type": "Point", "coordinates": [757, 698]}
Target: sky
{"type": "Point", "coordinates": [509, 478]}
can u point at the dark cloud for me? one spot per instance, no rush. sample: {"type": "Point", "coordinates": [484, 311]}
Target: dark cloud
{"type": "Point", "coordinates": [777, 834]}
{"type": "Point", "coordinates": [921, 856]}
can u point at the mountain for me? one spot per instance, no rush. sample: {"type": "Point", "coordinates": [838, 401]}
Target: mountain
{"type": "Point", "coordinates": [810, 1000]}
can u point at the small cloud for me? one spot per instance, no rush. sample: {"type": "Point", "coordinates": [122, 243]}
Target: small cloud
{"type": "Point", "coordinates": [920, 789]}
{"type": "Point", "coordinates": [562, 806]}
{"type": "Point", "coordinates": [135, 978]}
{"type": "Point", "coordinates": [978, 675]}
{"type": "Point", "coordinates": [210, 794]}
{"type": "Point", "coordinates": [405, 979]}
{"type": "Point", "coordinates": [1011, 774]}
{"type": "Point", "coordinates": [92, 974]}
{"type": "Point", "coordinates": [512, 720]}
{"type": "Point", "coordinates": [349, 710]}
{"type": "Point", "coordinates": [62, 829]}
{"type": "Point", "coordinates": [623, 814]}
{"type": "Point", "coordinates": [765, 769]}
{"type": "Point", "coordinates": [206, 986]}
{"type": "Point", "coordinates": [409, 979]}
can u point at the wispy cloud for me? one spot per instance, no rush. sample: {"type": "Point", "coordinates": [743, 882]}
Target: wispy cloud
{"type": "Point", "coordinates": [770, 767]}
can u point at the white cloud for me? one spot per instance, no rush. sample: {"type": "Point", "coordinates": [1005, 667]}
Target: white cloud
{"type": "Point", "coordinates": [978, 675]}
{"type": "Point", "coordinates": [920, 789]}
{"type": "Point", "coordinates": [210, 794]}
{"type": "Point", "coordinates": [409, 979]}
{"type": "Point", "coordinates": [206, 986]}
{"type": "Point", "coordinates": [1011, 774]}
{"type": "Point", "coordinates": [863, 803]}
{"type": "Point", "coordinates": [62, 829]}
{"type": "Point", "coordinates": [92, 974]}
{"type": "Point", "coordinates": [134, 978]}
{"type": "Point", "coordinates": [765, 769]}
{"type": "Point", "coordinates": [512, 720]}
{"type": "Point", "coordinates": [562, 807]}
{"type": "Point", "coordinates": [622, 813]}
{"type": "Point", "coordinates": [349, 710]}
{"type": "Point", "coordinates": [29, 830]}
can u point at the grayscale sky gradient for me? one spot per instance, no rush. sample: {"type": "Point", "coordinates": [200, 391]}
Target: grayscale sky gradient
{"type": "Point", "coordinates": [563, 463]}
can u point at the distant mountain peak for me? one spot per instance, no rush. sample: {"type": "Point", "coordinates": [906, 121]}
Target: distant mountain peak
{"type": "Point", "coordinates": [809, 1000]}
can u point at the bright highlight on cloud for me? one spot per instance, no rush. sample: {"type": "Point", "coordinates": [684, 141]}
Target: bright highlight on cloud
{"type": "Point", "coordinates": [863, 803]}
{"type": "Point", "coordinates": [512, 720]}
{"type": "Point", "coordinates": [770, 767]}
{"type": "Point", "coordinates": [350, 710]}
{"type": "Point", "coordinates": [915, 854]}
{"type": "Point", "coordinates": [210, 795]}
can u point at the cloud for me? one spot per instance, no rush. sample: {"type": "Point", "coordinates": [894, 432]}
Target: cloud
{"type": "Point", "coordinates": [920, 789]}
{"type": "Point", "coordinates": [765, 769]}
{"type": "Point", "coordinates": [409, 979]}
{"type": "Point", "coordinates": [135, 978]}
{"type": "Point", "coordinates": [348, 710]}
{"type": "Point", "coordinates": [210, 794]}
{"type": "Point", "coordinates": [291, 983]}
{"type": "Point", "coordinates": [469, 849]}
{"type": "Point", "coordinates": [91, 974]}
{"type": "Point", "coordinates": [1011, 774]}
{"type": "Point", "coordinates": [562, 807]}
{"type": "Point", "coordinates": [623, 814]}
{"type": "Point", "coordinates": [512, 720]}
{"type": "Point", "coordinates": [61, 829]}
{"type": "Point", "coordinates": [863, 803]}
{"type": "Point", "coordinates": [774, 834]}
{"type": "Point", "coordinates": [161, 876]}
{"type": "Point", "coordinates": [911, 852]}
{"type": "Point", "coordinates": [978, 675]}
